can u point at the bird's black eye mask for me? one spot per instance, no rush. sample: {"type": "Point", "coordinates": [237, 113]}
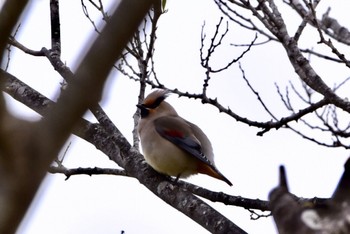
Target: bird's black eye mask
{"type": "Point", "coordinates": [145, 108]}
{"type": "Point", "coordinates": [155, 103]}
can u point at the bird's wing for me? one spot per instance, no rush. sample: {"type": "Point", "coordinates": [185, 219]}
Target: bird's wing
{"type": "Point", "coordinates": [180, 134]}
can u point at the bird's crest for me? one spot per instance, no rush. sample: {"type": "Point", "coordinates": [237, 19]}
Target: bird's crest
{"type": "Point", "coordinates": [155, 98]}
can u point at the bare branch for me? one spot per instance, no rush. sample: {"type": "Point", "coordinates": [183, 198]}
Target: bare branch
{"type": "Point", "coordinates": [337, 32]}
{"type": "Point", "coordinates": [12, 41]}
{"type": "Point", "coordinates": [329, 42]}
{"type": "Point", "coordinates": [213, 46]}
{"type": "Point", "coordinates": [307, 18]}
{"type": "Point", "coordinates": [256, 93]}
{"type": "Point", "coordinates": [68, 172]}
{"type": "Point", "coordinates": [323, 56]}
{"type": "Point", "coordinates": [55, 27]}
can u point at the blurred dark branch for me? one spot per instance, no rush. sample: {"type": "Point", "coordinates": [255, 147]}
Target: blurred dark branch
{"type": "Point", "coordinates": [42, 140]}
{"type": "Point", "coordinates": [9, 16]}
{"type": "Point", "coordinates": [334, 29]}
{"type": "Point", "coordinates": [293, 217]}
{"type": "Point", "coordinates": [14, 202]}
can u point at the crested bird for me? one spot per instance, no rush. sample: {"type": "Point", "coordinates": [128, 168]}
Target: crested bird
{"type": "Point", "coordinates": [172, 145]}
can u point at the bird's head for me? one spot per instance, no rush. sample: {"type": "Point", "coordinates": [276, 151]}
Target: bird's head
{"type": "Point", "coordinates": [154, 106]}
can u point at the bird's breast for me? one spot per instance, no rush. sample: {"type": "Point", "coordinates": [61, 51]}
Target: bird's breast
{"type": "Point", "coordinates": [166, 158]}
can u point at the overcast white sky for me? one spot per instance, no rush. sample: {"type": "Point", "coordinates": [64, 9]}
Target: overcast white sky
{"type": "Point", "coordinates": [109, 204]}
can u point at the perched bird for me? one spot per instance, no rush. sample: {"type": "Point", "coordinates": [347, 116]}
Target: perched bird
{"type": "Point", "coordinates": [172, 145]}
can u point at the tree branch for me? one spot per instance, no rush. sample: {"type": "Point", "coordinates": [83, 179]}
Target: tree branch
{"type": "Point", "coordinates": [68, 172]}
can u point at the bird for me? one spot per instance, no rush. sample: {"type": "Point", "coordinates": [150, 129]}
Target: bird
{"type": "Point", "coordinates": [172, 145]}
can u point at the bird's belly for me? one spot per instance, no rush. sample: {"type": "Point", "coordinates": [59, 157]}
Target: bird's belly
{"type": "Point", "coordinates": [174, 163]}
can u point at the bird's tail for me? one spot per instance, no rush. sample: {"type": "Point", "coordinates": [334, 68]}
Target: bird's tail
{"type": "Point", "coordinates": [213, 172]}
